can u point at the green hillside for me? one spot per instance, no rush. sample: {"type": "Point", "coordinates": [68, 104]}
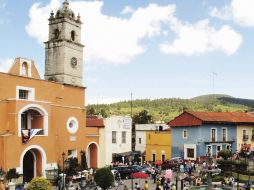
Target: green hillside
{"type": "Point", "coordinates": [165, 109]}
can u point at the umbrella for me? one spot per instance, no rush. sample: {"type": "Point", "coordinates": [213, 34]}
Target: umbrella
{"type": "Point", "coordinates": [158, 162]}
{"type": "Point", "coordinates": [168, 174]}
{"type": "Point", "coordinates": [139, 175]}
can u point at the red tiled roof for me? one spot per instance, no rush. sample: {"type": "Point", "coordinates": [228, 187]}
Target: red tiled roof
{"type": "Point", "coordinates": [197, 118]}
{"type": "Point", "coordinates": [94, 122]}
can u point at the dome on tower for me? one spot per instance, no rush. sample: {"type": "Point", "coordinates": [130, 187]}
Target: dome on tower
{"type": "Point", "coordinates": [65, 11]}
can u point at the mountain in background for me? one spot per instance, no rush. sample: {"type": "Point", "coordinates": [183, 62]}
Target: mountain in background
{"type": "Point", "coordinates": [166, 109]}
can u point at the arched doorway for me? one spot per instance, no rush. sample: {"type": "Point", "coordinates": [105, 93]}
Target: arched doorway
{"type": "Point", "coordinates": [92, 155]}
{"type": "Point", "coordinates": [33, 164]}
{"type": "Point", "coordinates": [28, 166]}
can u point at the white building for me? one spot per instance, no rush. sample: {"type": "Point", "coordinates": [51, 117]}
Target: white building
{"type": "Point", "coordinates": [141, 134]}
{"type": "Point", "coordinates": [115, 138]}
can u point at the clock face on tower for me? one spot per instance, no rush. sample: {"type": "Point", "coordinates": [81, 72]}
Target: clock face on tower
{"type": "Point", "coordinates": [74, 62]}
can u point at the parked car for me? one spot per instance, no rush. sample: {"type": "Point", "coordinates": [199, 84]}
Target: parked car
{"type": "Point", "coordinates": [172, 163]}
{"type": "Point", "coordinates": [126, 171]}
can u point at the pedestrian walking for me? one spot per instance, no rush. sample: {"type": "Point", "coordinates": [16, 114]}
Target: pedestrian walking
{"type": "Point", "coordinates": [146, 185]}
{"type": "Point", "coordinates": [137, 186]}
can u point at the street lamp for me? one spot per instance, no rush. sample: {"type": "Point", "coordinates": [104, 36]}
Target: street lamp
{"type": "Point", "coordinates": [238, 172]}
{"type": "Point", "coordinates": [81, 167]}
{"type": "Point", "coordinates": [209, 172]}
{"type": "Point", "coordinates": [176, 175]}
{"type": "Point", "coordinates": [63, 184]}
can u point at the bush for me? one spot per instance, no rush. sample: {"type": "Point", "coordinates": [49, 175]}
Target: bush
{"type": "Point", "coordinates": [225, 154]}
{"type": "Point", "coordinates": [12, 174]}
{"type": "Point", "coordinates": [104, 178]}
{"type": "Point", "coordinates": [39, 183]}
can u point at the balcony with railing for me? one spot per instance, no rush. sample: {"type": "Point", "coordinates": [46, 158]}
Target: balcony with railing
{"type": "Point", "coordinates": [32, 124]}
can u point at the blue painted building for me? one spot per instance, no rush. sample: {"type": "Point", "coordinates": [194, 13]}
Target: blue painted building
{"type": "Point", "coordinates": [198, 134]}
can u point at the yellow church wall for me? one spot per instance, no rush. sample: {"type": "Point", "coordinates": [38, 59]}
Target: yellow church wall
{"type": "Point", "coordinates": [158, 143]}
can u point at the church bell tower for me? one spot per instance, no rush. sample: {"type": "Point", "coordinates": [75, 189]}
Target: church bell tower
{"type": "Point", "coordinates": [64, 51]}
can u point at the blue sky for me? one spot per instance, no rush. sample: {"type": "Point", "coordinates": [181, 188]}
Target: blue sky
{"type": "Point", "coordinates": [154, 49]}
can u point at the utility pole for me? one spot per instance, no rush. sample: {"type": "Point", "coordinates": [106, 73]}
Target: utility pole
{"type": "Point", "coordinates": [132, 128]}
{"type": "Point", "coordinates": [213, 76]}
{"type": "Point", "coordinates": [131, 105]}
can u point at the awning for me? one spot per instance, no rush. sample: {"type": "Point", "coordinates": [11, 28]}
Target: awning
{"type": "Point", "coordinates": [129, 153]}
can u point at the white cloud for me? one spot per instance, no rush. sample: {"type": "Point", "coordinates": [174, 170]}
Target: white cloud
{"type": "Point", "coordinates": [127, 10]}
{"type": "Point", "coordinates": [118, 40]}
{"type": "Point", "coordinates": [199, 38]}
{"type": "Point", "coordinates": [111, 39]}
{"type": "Point", "coordinates": [5, 65]}
{"type": "Point", "coordinates": [240, 11]}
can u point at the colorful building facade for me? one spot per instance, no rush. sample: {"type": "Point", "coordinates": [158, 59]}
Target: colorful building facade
{"type": "Point", "coordinates": [43, 122]}
{"type": "Point", "coordinates": [140, 136]}
{"type": "Point", "coordinates": [158, 145]}
{"type": "Point", "coordinates": [115, 140]}
{"type": "Point", "coordinates": [196, 135]}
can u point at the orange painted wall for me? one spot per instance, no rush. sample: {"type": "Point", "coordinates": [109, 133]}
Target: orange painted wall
{"type": "Point", "coordinates": [60, 102]}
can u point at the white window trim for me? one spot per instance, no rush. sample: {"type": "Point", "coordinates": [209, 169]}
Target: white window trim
{"type": "Point", "coordinates": [72, 131]}
{"type": "Point", "coordinates": [31, 92]}
{"type": "Point", "coordinates": [226, 133]}
{"type": "Point", "coordinates": [215, 134]}
{"type": "Point", "coordinates": [187, 146]}
{"type": "Point", "coordinates": [186, 134]}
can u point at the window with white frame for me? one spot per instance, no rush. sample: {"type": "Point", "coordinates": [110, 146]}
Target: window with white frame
{"type": "Point", "coordinates": [213, 134]}
{"type": "Point", "coordinates": [24, 93]}
{"type": "Point", "coordinates": [190, 152]}
{"type": "Point", "coordinates": [224, 134]}
{"type": "Point", "coordinates": [123, 136]}
{"type": "Point", "coordinates": [114, 137]}
{"type": "Point", "coordinates": [245, 136]}
{"type": "Point", "coordinates": [185, 134]}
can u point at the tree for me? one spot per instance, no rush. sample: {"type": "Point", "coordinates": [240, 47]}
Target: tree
{"type": "Point", "coordinates": [83, 160]}
{"type": "Point", "coordinates": [225, 154]}
{"type": "Point", "coordinates": [39, 183]}
{"type": "Point", "coordinates": [73, 167]}
{"type": "Point", "coordinates": [12, 174]}
{"type": "Point", "coordinates": [104, 178]}
{"type": "Point", "coordinates": [103, 113]}
{"type": "Point", "coordinates": [90, 111]}
{"type": "Point", "coordinates": [142, 118]}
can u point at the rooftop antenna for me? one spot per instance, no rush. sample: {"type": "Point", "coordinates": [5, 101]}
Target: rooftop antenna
{"type": "Point", "coordinates": [131, 105]}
